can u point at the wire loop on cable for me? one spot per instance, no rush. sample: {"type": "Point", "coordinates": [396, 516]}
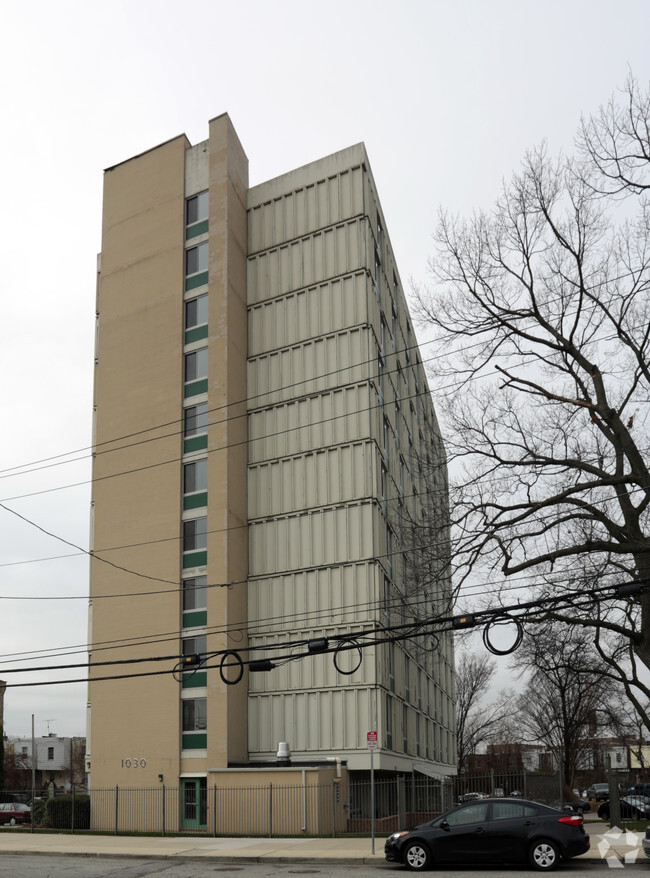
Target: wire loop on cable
{"type": "Point", "coordinates": [230, 653]}
{"type": "Point", "coordinates": [505, 619]}
{"type": "Point", "coordinates": [345, 646]}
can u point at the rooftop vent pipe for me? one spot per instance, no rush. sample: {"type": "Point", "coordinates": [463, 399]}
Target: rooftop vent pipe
{"type": "Point", "coordinates": [283, 756]}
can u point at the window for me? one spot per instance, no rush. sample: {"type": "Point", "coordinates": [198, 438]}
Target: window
{"type": "Point", "coordinates": [512, 811]}
{"type": "Point", "coordinates": [195, 476]}
{"type": "Point", "coordinates": [387, 603]}
{"type": "Point", "coordinates": [476, 813]}
{"type": "Point", "coordinates": [50, 752]}
{"type": "Point", "coordinates": [196, 208]}
{"type": "Point", "coordinates": [389, 552]}
{"type": "Point", "coordinates": [385, 438]}
{"type": "Point", "coordinates": [196, 365]}
{"type": "Point", "coordinates": [405, 717]}
{"type": "Point", "coordinates": [380, 236]}
{"type": "Point", "coordinates": [389, 722]}
{"type": "Point", "coordinates": [195, 593]}
{"type": "Point", "coordinates": [377, 275]}
{"type": "Point", "coordinates": [195, 534]}
{"type": "Point", "coordinates": [196, 420]}
{"type": "Point", "coordinates": [195, 645]}
{"type": "Point", "coordinates": [195, 714]}
{"type": "Point", "coordinates": [196, 259]}
{"type": "Point", "coordinates": [196, 311]}
{"type": "Point", "coordinates": [398, 391]}
{"type": "Point", "coordinates": [383, 331]}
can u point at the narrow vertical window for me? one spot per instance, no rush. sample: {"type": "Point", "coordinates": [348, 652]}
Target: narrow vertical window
{"type": "Point", "coordinates": [196, 311]}
{"type": "Point", "coordinates": [195, 420]}
{"type": "Point", "coordinates": [195, 593]}
{"type": "Point", "coordinates": [196, 208]}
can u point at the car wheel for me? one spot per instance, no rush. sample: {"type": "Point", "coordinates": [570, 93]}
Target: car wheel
{"type": "Point", "coordinates": [417, 856]}
{"type": "Point", "coordinates": [544, 855]}
{"type": "Point", "coordinates": [12, 822]}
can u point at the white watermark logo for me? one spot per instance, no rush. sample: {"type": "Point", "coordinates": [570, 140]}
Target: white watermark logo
{"type": "Point", "coordinates": [616, 838]}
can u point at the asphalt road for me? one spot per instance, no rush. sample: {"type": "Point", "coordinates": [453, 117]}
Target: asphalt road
{"type": "Point", "coordinates": [43, 866]}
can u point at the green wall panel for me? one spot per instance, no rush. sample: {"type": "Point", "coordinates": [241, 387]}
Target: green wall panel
{"type": "Point", "coordinates": [195, 740]}
{"type": "Point", "coordinates": [192, 618]}
{"type": "Point", "coordinates": [195, 501]}
{"type": "Point", "coordinates": [195, 559]}
{"type": "Point", "coordinates": [196, 333]}
{"type": "Point", "coordinates": [197, 229]}
{"type": "Point", "coordinates": [197, 280]}
{"type": "Point", "coordinates": [196, 387]}
{"type": "Point", "coordinates": [195, 443]}
{"type": "Point", "coordinates": [198, 680]}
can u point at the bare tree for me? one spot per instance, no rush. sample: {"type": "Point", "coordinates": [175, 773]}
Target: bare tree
{"type": "Point", "coordinates": [478, 719]}
{"type": "Point", "coordinates": [562, 699]}
{"type": "Point", "coordinates": [628, 726]}
{"type": "Point", "coordinates": [17, 771]}
{"type": "Point", "coordinates": [541, 310]}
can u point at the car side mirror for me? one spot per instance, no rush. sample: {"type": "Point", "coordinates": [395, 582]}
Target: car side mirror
{"type": "Point", "coordinates": [444, 825]}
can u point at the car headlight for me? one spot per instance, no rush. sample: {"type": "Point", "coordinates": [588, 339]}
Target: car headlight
{"type": "Point", "coordinates": [397, 835]}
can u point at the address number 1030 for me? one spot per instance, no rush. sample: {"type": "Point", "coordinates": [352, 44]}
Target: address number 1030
{"type": "Point", "coordinates": [134, 763]}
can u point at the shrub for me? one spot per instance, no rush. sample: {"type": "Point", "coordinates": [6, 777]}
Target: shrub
{"type": "Point", "coordinates": [39, 815]}
{"type": "Point", "coordinates": [59, 812]}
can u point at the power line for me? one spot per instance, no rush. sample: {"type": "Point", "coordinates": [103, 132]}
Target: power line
{"type": "Point", "coordinates": [359, 640]}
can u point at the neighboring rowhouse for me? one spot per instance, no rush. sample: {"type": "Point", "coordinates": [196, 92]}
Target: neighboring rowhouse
{"type": "Point", "coordinates": [267, 463]}
{"type": "Point", "coordinates": [60, 761]}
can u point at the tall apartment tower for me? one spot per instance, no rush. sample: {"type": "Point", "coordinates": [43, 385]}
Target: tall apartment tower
{"type": "Point", "coordinates": [268, 470]}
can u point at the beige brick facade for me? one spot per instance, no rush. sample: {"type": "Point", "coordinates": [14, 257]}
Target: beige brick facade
{"type": "Point", "coordinates": [261, 423]}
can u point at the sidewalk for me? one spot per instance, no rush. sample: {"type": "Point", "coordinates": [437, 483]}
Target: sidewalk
{"type": "Point", "coordinates": [344, 851]}
{"type": "Point", "coordinates": [224, 850]}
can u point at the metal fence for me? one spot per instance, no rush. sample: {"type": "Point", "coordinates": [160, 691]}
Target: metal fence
{"type": "Point", "coordinates": [333, 809]}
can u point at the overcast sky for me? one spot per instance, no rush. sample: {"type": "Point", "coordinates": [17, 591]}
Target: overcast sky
{"type": "Point", "coordinates": [446, 96]}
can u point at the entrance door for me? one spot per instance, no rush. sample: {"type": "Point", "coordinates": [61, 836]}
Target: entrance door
{"type": "Point", "coordinates": [194, 805]}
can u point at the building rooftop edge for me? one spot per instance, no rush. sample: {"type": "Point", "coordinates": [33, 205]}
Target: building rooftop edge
{"type": "Point", "coordinates": [146, 151]}
{"type": "Point", "coordinates": [335, 161]}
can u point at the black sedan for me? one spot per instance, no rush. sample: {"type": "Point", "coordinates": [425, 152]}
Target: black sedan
{"type": "Point", "coordinates": [632, 808]}
{"type": "Point", "coordinates": [492, 831]}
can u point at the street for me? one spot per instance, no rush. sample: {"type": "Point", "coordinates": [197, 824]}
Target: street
{"type": "Point", "coordinates": [43, 866]}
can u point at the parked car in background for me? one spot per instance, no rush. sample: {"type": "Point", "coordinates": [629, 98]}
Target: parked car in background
{"type": "Point", "coordinates": [580, 805]}
{"type": "Point", "coordinates": [501, 830]}
{"type": "Point", "coordinates": [640, 789]}
{"type": "Point", "coordinates": [599, 792]}
{"type": "Point", "coordinates": [14, 812]}
{"type": "Point", "coordinates": [632, 808]}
